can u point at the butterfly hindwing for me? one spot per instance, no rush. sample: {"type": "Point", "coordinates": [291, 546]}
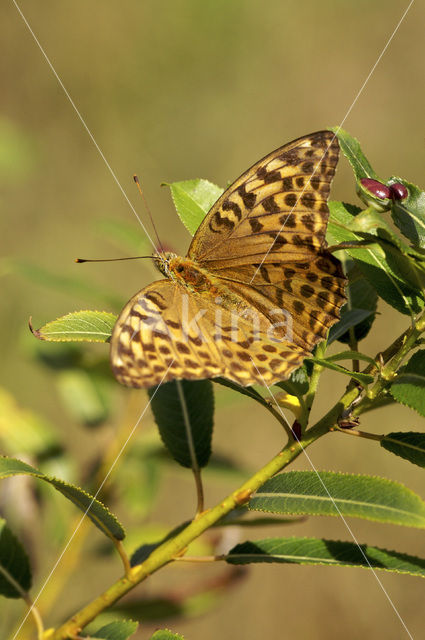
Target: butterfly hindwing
{"type": "Point", "coordinates": [163, 333]}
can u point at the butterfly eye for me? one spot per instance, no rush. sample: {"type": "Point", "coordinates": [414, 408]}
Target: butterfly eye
{"type": "Point", "coordinates": [180, 268]}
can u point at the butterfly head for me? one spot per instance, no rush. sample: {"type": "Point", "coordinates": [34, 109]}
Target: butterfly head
{"type": "Point", "coordinates": [184, 271]}
{"type": "Point", "coordinates": [162, 262]}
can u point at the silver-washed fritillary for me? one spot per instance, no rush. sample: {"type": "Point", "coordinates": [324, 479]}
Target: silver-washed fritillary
{"type": "Point", "coordinates": [257, 289]}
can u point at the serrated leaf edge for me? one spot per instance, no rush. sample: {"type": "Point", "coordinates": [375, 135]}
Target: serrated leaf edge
{"type": "Point", "coordinates": [57, 481]}
{"type": "Point", "coordinates": [364, 547]}
{"type": "Point", "coordinates": [333, 500]}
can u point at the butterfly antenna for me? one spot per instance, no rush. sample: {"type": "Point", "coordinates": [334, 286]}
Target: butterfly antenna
{"type": "Point", "coordinates": [136, 180]}
{"type": "Point", "coordinates": [79, 260]}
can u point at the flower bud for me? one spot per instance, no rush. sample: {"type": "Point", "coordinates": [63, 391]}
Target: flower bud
{"type": "Point", "coordinates": [376, 188]}
{"type": "Point", "coordinates": [398, 191]}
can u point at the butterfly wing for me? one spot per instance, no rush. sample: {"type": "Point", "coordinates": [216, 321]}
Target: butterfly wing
{"type": "Point", "coordinates": [277, 210]}
{"type": "Point", "coordinates": [311, 293]}
{"type": "Point", "coordinates": [263, 243]}
{"type": "Point", "coordinates": [163, 334]}
{"type": "Point", "coordinates": [265, 238]}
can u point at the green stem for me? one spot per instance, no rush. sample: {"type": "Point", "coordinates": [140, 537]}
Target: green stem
{"type": "Point", "coordinates": [251, 393]}
{"type": "Point", "coordinates": [314, 382]}
{"type": "Point", "coordinates": [26, 598]}
{"type": "Point", "coordinates": [360, 434]}
{"type": "Point", "coordinates": [352, 340]}
{"type": "Point", "coordinates": [191, 445]}
{"type": "Point", "coordinates": [392, 358]}
{"type": "Point", "coordinates": [176, 546]}
{"type": "Point", "coordinates": [123, 555]}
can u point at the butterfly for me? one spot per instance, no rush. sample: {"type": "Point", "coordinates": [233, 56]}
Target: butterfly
{"type": "Point", "coordinates": [257, 289]}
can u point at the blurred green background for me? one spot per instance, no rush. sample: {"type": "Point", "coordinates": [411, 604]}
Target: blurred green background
{"type": "Point", "coordinates": [181, 89]}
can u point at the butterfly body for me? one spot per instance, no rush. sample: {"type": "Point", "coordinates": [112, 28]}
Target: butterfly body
{"type": "Point", "coordinates": [187, 273]}
{"type": "Point", "coordinates": [257, 289]}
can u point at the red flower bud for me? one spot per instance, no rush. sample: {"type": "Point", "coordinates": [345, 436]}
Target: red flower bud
{"type": "Point", "coordinates": [376, 188]}
{"type": "Point", "coordinates": [398, 191]}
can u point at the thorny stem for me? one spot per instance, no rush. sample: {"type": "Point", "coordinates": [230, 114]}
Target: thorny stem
{"type": "Point", "coordinates": [175, 547]}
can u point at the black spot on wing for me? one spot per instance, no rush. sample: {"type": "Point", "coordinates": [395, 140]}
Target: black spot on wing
{"type": "Point", "coordinates": [247, 198]}
{"type": "Point", "coordinates": [228, 205]}
{"type": "Point", "coordinates": [255, 225]}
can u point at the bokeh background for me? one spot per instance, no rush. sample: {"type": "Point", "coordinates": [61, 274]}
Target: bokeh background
{"type": "Point", "coordinates": [174, 90]}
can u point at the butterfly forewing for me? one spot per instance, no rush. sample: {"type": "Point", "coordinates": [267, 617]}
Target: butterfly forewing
{"type": "Point", "coordinates": [276, 209]}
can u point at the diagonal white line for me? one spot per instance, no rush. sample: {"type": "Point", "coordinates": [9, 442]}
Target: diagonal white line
{"type": "Point", "coordinates": [336, 133]}
{"type": "Point", "coordinates": [376, 64]}
{"type": "Point", "coordinates": [350, 531]}
{"type": "Point", "coordinates": [89, 507]}
{"type": "Point", "coordinates": [135, 213]}
{"type": "Point", "coordinates": [82, 121]}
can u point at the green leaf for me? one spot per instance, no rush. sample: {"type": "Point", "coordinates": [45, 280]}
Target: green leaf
{"type": "Point", "coordinates": [245, 391]}
{"type": "Point", "coordinates": [409, 214]}
{"type": "Point", "coordinates": [95, 510]}
{"type": "Point", "coordinates": [362, 169]}
{"type": "Point", "coordinates": [349, 318]}
{"type": "Point", "coordinates": [237, 517]}
{"type": "Point", "coordinates": [363, 378]}
{"type": "Point", "coordinates": [297, 384]}
{"type": "Point", "coordinates": [15, 572]}
{"type": "Point", "coordinates": [409, 386]}
{"type": "Point", "coordinates": [383, 273]}
{"type": "Point", "coordinates": [184, 412]}
{"type": "Point", "coordinates": [165, 634]}
{"type": "Point", "coordinates": [79, 326]}
{"type": "Point", "coordinates": [325, 552]}
{"type": "Point", "coordinates": [336, 494]}
{"type": "Point", "coordinates": [350, 147]}
{"type": "Point", "coordinates": [368, 230]}
{"type": "Point", "coordinates": [409, 445]}
{"type": "Point", "coordinates": [363, 298]}
{"type": "Point", "coordinates": [351, 355]}
{"type": "Point", "coordinates": [372, 227]}
{"type": "Point", "coordinates": [382, 401]}
{"type": "Point", "coordinates": [116, 630]}
{"type": "Point", "coordinates": [193, 199]}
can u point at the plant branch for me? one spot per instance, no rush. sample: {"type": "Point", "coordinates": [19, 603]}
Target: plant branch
{"type": "Point", "coordinates": [314, 382]}
{"type": "Point", "coordinates": [175, 547]}
{"type": "Point", "coordinates": [359, 434]}
{"type": "Point", "coordinates": [391, 358]}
